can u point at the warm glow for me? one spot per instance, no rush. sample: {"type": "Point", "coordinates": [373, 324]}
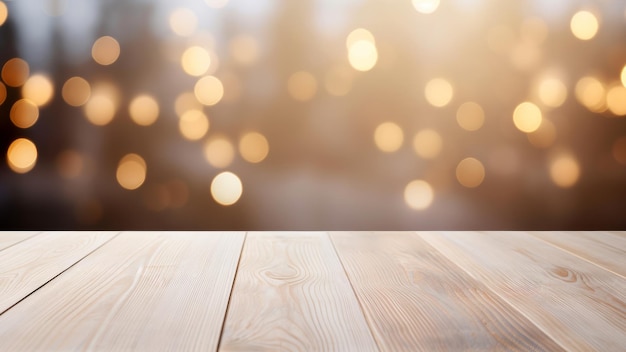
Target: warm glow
{"type": "Point", "coordinates": [186, 101]}
{"type": "Point", "coordinates": [470, 116]}
{"type": "Point", "coordinates": [15, 72]}
{"type": "Point", "coordinates": [338, 81]}
{"type": "Point", "coordinates": [22, 155]}
{"type": "Point", "coordinates": [619, 150]}
{"type": "Point", "coordinates": [144, 110]}
{"type": "Point", "coordinates": [100, 109]}
{"type": "Point", "coordinates": [70, 164]}
{"type": "Point", "coordinates": [426, 6]}
{"type": "Point", "coordinates": [209, 90]}
{"type": "Point", "coordinates": [3, 93]}
{"type": "Point", "coordinates": [105, 50]}
{"type": "Point", "coordinates": [244, 49]}
{"type": "Point", "coordinates": [544, 136]}
{"type": "Point", "coordinates": [253, 147]}
{"type": "Point", "coordinates": [226, 188]}
{"type": "Point", "coordinates": [591, 93]}
{"type": "Point", "coordinates": [357, 35]}
{"type": "Point", "coordinates": [623, 76]}
{"type": "Point", "coordinates": [388, 137]}
{"type": "Point", "coordinates": [534, 30]}
{"type": "Point", "coordinates": [552, 92]}
{"type": "Point", "coordinates": [302, 86]}
{"type": "Point", "coordinates": [4, 13]}
{"type": "Point", "coordinates": [196, 61]}
{"type": "Point", "coordinates": [76, 91]}
{"type": "Point", "coordinates": [216, 4]}
{"type": "Point", "coordinates": [438, 92]}
{"type": "Point", "coordinates": [193, 125]}
{"type": "Point", "coordinates": [470, 172]}
{"type": "Point", "coordinates": [183, 22]}
{"type": "Point", "coordinates": [131, 171]}
{"type": "Point", "coordinates": [24, 113]}
{"type": "Point", "coordinates": [527, 117]}
{"type": "Point", "coordinates": [564, 171]}
{"type": "Point", "coordinates": [38, 89]}
{"type": "Point", "coordinates": [616, 100]}
{"type": "Point", "coordinates": [363, 55]}
{"type": "Point", "coordinates": [427, 143]}
{"type": "Point", "coordinates": [584, 25]}
{"type": "Point", "coordinates": [418, 194]}
{"type": "Point", "coordinates": [219, 152]}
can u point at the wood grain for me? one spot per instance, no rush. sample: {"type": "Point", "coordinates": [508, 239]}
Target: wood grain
{"type": "Point", "coordinates": [606, 249]}
{"type": "Point", "coordinates": [10, 238]}
{"type": "Point", "coordinates": [142, 291]}
{"type": "Point", "coordinates": [27, 265]}
{"type": "Point", "coordinates": [291, 294]}
{"type": "Point", "coordinates": [580, 305]}
{"type": "Point", "coordinates": [415, 299]}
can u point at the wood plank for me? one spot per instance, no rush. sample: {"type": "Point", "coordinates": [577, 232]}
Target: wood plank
{"type": "Point", "coordinates": [580, 305]}
{"type": "Point", "coordinates": [415, 299]}
{"type": "Point", "coordinates": [142, 291]}
{"type": "Point", "coordinates": [291, 294]}
{"type": "Point", "coordinates": [10, 238]}
{"type": "Point", "coordinates": [28, 265]}
{"type": "Point", "coordinates": [606, 249]}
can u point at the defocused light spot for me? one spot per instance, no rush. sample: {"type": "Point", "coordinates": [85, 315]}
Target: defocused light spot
{"type": "Point", "coordinates": [38, 89]}
{"type": "Point", "coordinates": [70, 164]}
{"type": "Point", "coordinates": [105, 50]}
{"type": "Point", "coordinates": [427, 143]}
{"type": "Point", "coordinates": [470, 172]}
{"type": "Point", "coordinates": [418, 194]}
{"type": "Point", "coordinates": [388, 137]}
{"type": "Point", "coordinates": [76, 91]}
{"type": "Point", "coordinates": [226, 188]}
{"type": "Point", "coordinates": [219, 152]}
{"type": "Point", "coordinates": [544, 136]}
{"type": "Point", "coordinates": [196, 61]}
{"type": "Point", "coordinates": [15, 72]}
{"type": "Point", "coordinates": [338, 81]}
{"type": "Point", "coordinates": [438, 92]}
{"type": "Point", "coordinates": [590, 92]}
{"type": "Point", "coordinates": [253, 147]}
{"type": "Point", "coordinates": [144, 110]}
{"type": "Point", "coordinates": [3, 93]}
{"type": "Point", "coordinates": [470, 116]}
{"type": "Point", "coordinates": [527, 117]}
{"type": "Point", "coordinates": [183, 22]}
{"type": "Point", "coordinates": [564, 171]}
{"type": "Point", "coordinates": [100, 109]}
{"type": "Point", "coordinates": [552, 92]}
{"type": "Point", "coordinates": [22, 155]}
{"type": "Point", "coordinates": [302, 86]}
{"type": "Point", "coordinates": [363, 55]}
{"type": "Point", "coordinates": [131, 171]}
{"type": "Point", "coordinates": [244, 49]}
{"type": "Point", "coordinates": [534, 30]}
{"type": "Point", "coordinates": [357, 35]}
{"type": "Point", "coordinates": [426, 6]}
{"type": "Point", "coordinates": [186, 101]}
{"type": "Point", "coordinates": [193, 125]}
{"type": "Point", "coordinates": [584, 25]}
{"type": "Point", "coordinates": [24, 113]}
{"type": "Point", "coordinates": [209, 90]}
{"type": "Point", "coordinates": [623, 76]}
{"type": "Point", "coordinates": [616, 100]}
{"type": "Point", "coordinates": [4, 13]}
{"type": "Point", "coordinates": [619, 150]}
{"type": "Point", "coordinates": [216, 4]}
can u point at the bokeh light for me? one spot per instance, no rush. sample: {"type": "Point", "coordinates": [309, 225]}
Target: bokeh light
{"type": "Point", "coordinates": [527, 117]}
{"type": "Point", "coordinates": [76, 91]}
{"type": "Point", "coordinates": [425, 6]}
{"type": "Point", "coordinates": [623, 76]}
{"type": "Point", "coordinates": [552, 92]}
{"type": "Point", "coordinates": [357, 35]}
{"type": "Point", "coordinates": [470, 172]}
{"type": "Point", "coordinates": [195, 61]}
{"type": "Point", "coordinates": [24, 113]}
{"type": "Point", "coordinates": [419, 194]}
{"type": "Point", "coordinates": [186, 101]}
{"type": "Point", "coordinates": [100, 109]}
{"type": "Point", "coordinates": [302, 86]}
{"type": "Point", "coordinates": [144, 110]}
{"type": "Point", "coordinates": [193, 125]}
{"type": "Point", "coordinates": [253, 147]}
{"type": "Point", "coordinates": [183, 22]}
{"type": "Point", "coordinates": [3, 93]}
{"type": "Point", "coordinates": [564, 170]}
{"type": "Point", "coordinates": [38, 89]}
{"type": "Point", "coordinates": [388, 137]}
{"type": "Point", "coordinates": [363, 55]}
{"type": "Point", "coordinates": [105, 50]}
{"type": "Point", "coordinates": [131, 171]}
{"type": "Point", "coordinates": [15, 72]}
{"type": "Point", "coordinates": [584, 25]}
{"type": "Point", "coordinates": [226, 188]}
{"type": "Point", "coordinates": [244, 49]}
{"type": "Point", "coordinates": [4, 13]}
{"type": "Point", "coordinates": [438, 92]}
{"type": "Point", "coordinates": [591, 93]}
{"type": "Point", "coordinates": [217, 4]}
{"type": "Point", "coordinates": [219, 152]}
{"type": "Point", "coordinates": [22, 155]}
{"type": "Point", "coordinates": [470, 116]}
{"type": "Point", "coordinates": [209, 90]}
{"type": "Point", "coordinates": [616, 100]}
{"type": "Point", "coordinates": [427, 143]}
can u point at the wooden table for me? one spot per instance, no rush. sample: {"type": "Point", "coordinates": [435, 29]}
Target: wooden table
{"type": "Point", "coordinates": [313, 291]}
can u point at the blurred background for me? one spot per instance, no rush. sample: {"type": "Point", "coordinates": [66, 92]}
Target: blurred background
{"type": "Point", "coordinates": [313, 114]}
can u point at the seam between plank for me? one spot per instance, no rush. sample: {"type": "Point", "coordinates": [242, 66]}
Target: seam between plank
{"type": "Point", "coordinates": [22, 240]}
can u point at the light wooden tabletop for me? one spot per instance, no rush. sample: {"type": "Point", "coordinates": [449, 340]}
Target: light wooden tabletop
{"type": "Point", "coordinates": [312, 291]}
